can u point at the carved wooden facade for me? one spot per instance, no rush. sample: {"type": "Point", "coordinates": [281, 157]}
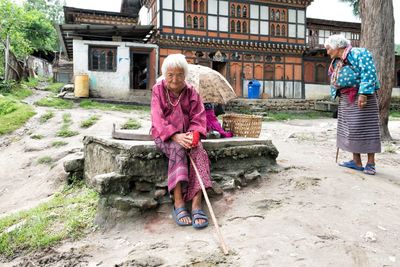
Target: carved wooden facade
{"type": "Point", "coordinates": [244, 40]}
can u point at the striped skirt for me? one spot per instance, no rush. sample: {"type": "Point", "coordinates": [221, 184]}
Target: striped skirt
{"type": "Point", "coordinates": [179, 169]}
{"type": "Point", "coordinates": [358, 130]}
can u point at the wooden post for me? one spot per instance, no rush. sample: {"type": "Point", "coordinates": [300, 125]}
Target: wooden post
{"type": "Point", "coordinates": [214, 219]}
{"type": "Point", "coordinates": [7, 57]}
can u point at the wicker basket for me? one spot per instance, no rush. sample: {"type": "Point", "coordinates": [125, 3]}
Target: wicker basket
{"type": "Point", "coordinates": [242, 125]}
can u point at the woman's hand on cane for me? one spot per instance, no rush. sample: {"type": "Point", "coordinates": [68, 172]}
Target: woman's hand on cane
{"type": "Point", "coordinates": [184, 139]}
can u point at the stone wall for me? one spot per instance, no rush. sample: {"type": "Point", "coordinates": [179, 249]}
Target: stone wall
{"type": "Point", "coordinates": [131, 176]}
{"type": "Point", "coordinates": [263, 106]}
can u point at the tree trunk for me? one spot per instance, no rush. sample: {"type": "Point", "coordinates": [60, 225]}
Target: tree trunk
{"type": "Point", "coordinates": [377, 35]}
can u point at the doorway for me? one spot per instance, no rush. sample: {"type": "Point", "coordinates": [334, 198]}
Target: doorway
{"type": "Point", "coordinates": [220, 67]}
{"type": "Point", "coordinates": [139, 74]}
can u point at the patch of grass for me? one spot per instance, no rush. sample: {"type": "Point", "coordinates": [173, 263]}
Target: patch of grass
{"type": "Point", "coordinates": [66, 132]}
{"type": "Point", "coordinates": [54, 103]}
{"type": "Point", "coordinates": [45, 160]}
{"type": "Point", "coordinates": [58, 143]}
{"type": "Point", "coordinates": [54, 87]}
{"type": "Point", "coordinates": [394, 114]}
{"type": "Point", "coordinates": [89, 104]}
{"type": "Point", "coordinates": [287, 115]}
{"type": "Point", "coordinates": [7, 106]}
{"type": "Point", "coordinates": [31, 82]}
{"type": "Point", "coordinates": [89, 122]}
{"type": "Point", "coordinates": [67, 118]}
{"type": "Point", "coordinates": [131, 124]}
{"type": "Point", "coordinates": [37, 136]}
{"type": "Point", "coordinates": [389, 147]}
{"type": "Point", "coordinates": [47, 116]}
{"type": "Point", "coordinates": [68, 215]}
{"type": "Point", "coordinates": [16, 118]}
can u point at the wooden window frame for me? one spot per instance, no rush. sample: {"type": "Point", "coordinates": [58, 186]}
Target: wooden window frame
{"type": "Point", "coordinates": [101, 49]}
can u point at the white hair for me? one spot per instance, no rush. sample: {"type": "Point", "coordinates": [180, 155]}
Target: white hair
{"type": "Point", "coordinates": [337, 41]}
{"type": "Point", "coordinates": [174, 61]}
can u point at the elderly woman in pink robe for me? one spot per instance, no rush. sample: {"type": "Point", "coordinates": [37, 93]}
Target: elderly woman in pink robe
{"type": "Point", "coordinates": [178, 121]}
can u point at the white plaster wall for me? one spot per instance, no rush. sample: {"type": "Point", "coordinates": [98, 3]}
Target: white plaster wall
{"type": "Point", "coordinates": [316, 91]}
{"type": "Point", "coordinates": [112, 85]}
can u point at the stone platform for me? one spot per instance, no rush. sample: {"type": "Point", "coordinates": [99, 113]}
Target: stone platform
{"type": "Point", "coordinates": [131, 176]}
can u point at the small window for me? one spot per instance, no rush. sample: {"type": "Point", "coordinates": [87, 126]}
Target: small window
{"type": "Point", "coordinates": [232, 26]}
{"type": "Point", "coordinates": [195, 23]}
{"type": "Point", "coordinates": [283, 31]}
{"type": "Point", "coordinates": [273, 30]}
{"type": "Point", "coordinates": [238, 27]}
{"type": "Point", "coordinates": [244, 12]}
{"type": "Point", "coordinates": [202, 23]}
{"type": "Point", "coordinates": [233, 10]}
{"type": "Point", "coordinates": [189, 5]}
{"type": "Point", "coordinates": [277, 15]}
{"type": "Point", "coordinates": [244, 27]}
{"type": "Point", "coordinates": [102, 59]}
{"type": "Point", "coordinates": [189, 21]}
{"type": "Point", "coordinates": [278, 30]}
{"type": "Point", "coordinates": [195, 6]}
{"type": "Point", "coordinates": [283, 17]}
{"type": "Point", "coordinates": [202, 9]}
{"type": "Point", "coordinates": [272, 14]}
{"type": "Point", "coordinates": [238, 11]}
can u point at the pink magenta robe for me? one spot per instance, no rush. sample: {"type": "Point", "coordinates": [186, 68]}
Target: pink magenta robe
{"type": "Point", "coordinates": [188, 115]}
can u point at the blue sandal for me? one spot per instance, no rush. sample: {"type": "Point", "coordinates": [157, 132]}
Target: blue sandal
{"type": "Point", "coordinates": [199, 214]}
{"type": "Point", "coordinates": [180, 213]}
{"type": "Point", "coordinates": [370, 169]}
{"type": "Point", "coordinates": [352, 165]}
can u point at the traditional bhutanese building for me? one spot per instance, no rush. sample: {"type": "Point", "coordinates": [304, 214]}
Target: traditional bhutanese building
{"type": "Point", "coordinates": [243, 40]}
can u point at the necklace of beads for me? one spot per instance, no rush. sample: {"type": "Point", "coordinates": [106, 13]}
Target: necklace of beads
{"type": "Point", "coordinates": [169, 99]}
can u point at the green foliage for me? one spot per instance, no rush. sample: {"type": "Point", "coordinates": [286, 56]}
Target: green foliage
{"type": "Point", "coordinates": [47, 116]}
{"type": "Point", "coordinates": [355, 4]}
{"type": "Point", "coordinates": [66, 132]}
{"type": "Point", "coordinates": [131, 124]}
{"type": "Point", "coordinates": [54, 102]}
{"type": "Point", "coordinates": [89, 104]}
{"type": "Point", "coordinates": [31, 82]}
{"type": "Point", "coordinates": [89, 122]}
{"type": "Point", "coordinates": [69, 214]}
{"type": "Point", "coordinates": [29, 29]}
{"type": "Point", "coordinates": [282, 116]}
{"type": "Point", "coordinates": [45, 160]}
{"type": "Point", "coordinates": [15, 119]}
{"type": "Point", "coordinates": [53, 9]}
{"type": "Point", "coordinates": [389, 147]}
{"type": "Point", "coordinates": [394, 114]}
{"type": "Point", "coordinates": [397, 49]}
{"type": "Point", "coordinates": [7, 106]}
{"type": "Point", "coordinates": [6, 86]}
{"type": "Point", "coordinates": [54, 87]}
{"type": "Point", "coordinates": [58, 143]}
{"type": "Point", "coordinates": [37, 136]}
{"type": "Point", "coordinates": [66, 118]}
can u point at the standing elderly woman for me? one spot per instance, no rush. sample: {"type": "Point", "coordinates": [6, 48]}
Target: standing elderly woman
{"type": "Point", "coordinates": [354, 80]}
{"type": "Point", "coordinates": [178, 120]}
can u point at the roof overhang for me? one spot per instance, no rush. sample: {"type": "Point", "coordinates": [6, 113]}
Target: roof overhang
{"type": "Point", "coordinates": [68, 32]}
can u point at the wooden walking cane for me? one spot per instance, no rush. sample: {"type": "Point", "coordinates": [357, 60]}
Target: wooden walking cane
{"type": "Point", "coordinates": [221, 240]}
{"type": "Point", "coordinates": [337, 154]}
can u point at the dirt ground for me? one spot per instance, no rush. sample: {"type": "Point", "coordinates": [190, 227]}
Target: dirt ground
{"type": "Point", "coordinates": [311, 213]}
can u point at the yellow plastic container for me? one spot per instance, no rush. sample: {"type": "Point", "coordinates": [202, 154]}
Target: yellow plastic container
{"type": "Point", "coordinates": [81, 85]}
